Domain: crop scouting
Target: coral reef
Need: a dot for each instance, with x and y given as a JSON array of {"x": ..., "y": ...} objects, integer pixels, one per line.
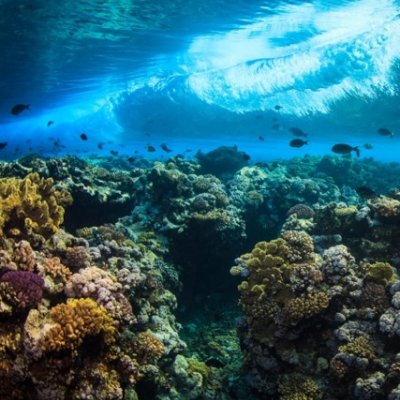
[
  {"x": 93, "y": 315},
  {"x": 317, "y": 325},
  {"x": 223, "y": 160}
]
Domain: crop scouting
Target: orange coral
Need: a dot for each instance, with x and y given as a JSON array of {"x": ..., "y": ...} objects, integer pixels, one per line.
[
  {"x": 148, "y": 348},
  {"x": 54, "y": 273},
  {"x": 73, "y": 321},
  {"x": 24, "y": 256}
]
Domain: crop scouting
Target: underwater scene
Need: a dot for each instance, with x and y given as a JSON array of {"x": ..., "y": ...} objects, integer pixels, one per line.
[{"x": 200, "y": 200}]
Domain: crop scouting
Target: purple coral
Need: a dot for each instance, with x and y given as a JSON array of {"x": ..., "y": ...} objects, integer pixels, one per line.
[
  {"x": 27, "y": 287},
  {"x": 302, "y": 211}
]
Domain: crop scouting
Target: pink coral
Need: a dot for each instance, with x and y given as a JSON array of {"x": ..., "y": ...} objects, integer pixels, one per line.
[{"x": 102, "y": 287}]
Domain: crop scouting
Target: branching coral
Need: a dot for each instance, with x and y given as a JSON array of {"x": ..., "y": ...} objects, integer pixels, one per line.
[
  {"x": 70, "y": 323},
  {"x": 31, "y": 207},
  {"x": 298, "y": 387},
  {"x": 23, "y": 289},
  {"x": 54, "y": 273}
]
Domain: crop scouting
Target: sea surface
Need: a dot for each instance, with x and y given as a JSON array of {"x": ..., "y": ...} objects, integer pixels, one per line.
[{"x": 199, "y": 74}]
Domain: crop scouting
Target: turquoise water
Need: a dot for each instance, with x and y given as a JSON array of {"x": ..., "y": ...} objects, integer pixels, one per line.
[{"x": 199, "y": 74}]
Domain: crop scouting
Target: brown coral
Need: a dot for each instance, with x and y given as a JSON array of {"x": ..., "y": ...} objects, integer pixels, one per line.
[
  {"x": 306, "y": 306},
  {"x": 54, "y": 273}
]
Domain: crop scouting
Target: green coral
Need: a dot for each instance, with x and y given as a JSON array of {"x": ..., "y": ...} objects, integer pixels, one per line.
[{"x": 381, "y": 272}]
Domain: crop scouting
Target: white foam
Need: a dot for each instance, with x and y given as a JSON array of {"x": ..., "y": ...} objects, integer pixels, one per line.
[{"x": 347, "y": 50}]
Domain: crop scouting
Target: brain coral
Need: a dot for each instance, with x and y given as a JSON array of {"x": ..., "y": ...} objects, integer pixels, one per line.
[{"x": 31, "y": 206}]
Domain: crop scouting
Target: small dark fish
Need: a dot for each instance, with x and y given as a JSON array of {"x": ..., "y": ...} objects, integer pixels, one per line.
[
  {"x": 385, "y": 132},
  {"x": 3, "y": 145},
  {"x": 297, "y": 143},
  {"x": 114, "y": 152},
  {"x": 150, "y": 148},
  {"x": 188, "y": 150},
  {"x": 261, "y": 138},
  {"x": 136, "y": 152},
  {"x": 275, "y": 119},
  {"x": 165, "y": 148},
  {"x": 366, "y": 192},
  {"x": 246, "y": 157},
  {"x": 131, "y": 159},
  {"x": 368, "y": 146},
  {"x": 298, "y": 132},
  {"x": 83, "y": 136},
  {"x": 278, "y": 107},
  {"x": 50, "y": 123},
  {"x": 18, "y": 108},
  {"x": 100, "y": 145},
  {"x": 259, "y": 116},
  {"x": 342, "y": 148},
  {"x": 261, "y": 164},
  {"x": 276, "y": 127}
]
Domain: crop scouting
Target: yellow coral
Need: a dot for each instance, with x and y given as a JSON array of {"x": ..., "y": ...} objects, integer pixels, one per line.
[
  {"x": 360, "y": 347},
  {"x": 31, "y": 206},
  {"x": 99, "y": 381},
  {"x": 343, "y": 212},
  {"x": 306, "y": 306},
  {"x": 298, "y": 387},
  {"x": 10, "y": 337},
  {"x": 73, "y": 321},
  {"x": 10, "y": 344},
  {"x": 148, "y": 348},
  {"x": 278, "y": 272}
]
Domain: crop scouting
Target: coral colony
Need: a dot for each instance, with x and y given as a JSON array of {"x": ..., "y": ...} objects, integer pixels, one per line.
[{"x": 95, "y": 253}]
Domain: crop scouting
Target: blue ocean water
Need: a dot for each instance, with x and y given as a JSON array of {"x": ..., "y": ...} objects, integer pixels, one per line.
[{"x": 198, "y": 74}]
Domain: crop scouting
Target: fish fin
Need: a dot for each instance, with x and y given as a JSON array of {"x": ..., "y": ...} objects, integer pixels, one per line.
[{"x": 357, "y": 150}]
